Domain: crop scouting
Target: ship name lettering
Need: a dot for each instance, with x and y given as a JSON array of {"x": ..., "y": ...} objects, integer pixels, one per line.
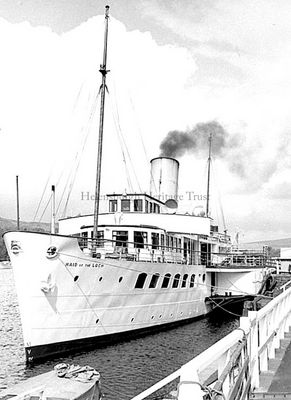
[{"x": 70, "y": 264}]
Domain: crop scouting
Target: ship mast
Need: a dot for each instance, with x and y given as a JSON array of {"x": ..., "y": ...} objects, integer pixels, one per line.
[
  {"x": 208, "y": 175},
  {"x": 103, "y": 72}
]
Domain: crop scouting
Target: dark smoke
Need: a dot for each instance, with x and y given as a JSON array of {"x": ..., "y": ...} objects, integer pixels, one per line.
[{"x": 177, "y": 143}]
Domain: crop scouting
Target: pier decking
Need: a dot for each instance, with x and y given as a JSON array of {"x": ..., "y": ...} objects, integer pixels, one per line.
[{"x": 252, "y": 362}]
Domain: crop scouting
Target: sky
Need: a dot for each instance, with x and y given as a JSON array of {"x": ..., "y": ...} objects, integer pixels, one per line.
[{"x": 173, "y": 65}]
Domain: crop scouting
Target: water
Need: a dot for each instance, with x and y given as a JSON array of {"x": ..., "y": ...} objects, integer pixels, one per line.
[{"x": 126, "y": 368}]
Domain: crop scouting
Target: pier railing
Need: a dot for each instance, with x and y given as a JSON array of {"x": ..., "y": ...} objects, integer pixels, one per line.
[{"x": 237, "y": 360}]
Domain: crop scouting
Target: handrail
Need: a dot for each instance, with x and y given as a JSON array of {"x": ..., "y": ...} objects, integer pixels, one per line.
[
  {"x": 158, "y": 246},
  {"x": 283, "y": 287},
  {"x": 239, "y": 357}
]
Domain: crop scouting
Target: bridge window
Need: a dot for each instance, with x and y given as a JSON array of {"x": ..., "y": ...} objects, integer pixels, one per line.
[
  {"x": 155, "y": 240},
  {"x": 166, "y": 281},
  {"x": 112, "y": 205},
  {"x": 120, "y": 238},
  {"x": 154, "y": 281},
  {"x": 140, "y": 239},
  {"x": 179, "y": 245},
  {"x": 203, "y": 278},
  {"x": 125, "y": 205},
  {"x": 137, "y": 205},
  {"x": 192, "y": 280},
  {"x": 140, "y": 281},
  {"x": 184, "y": 281},
  {"x": 146, "y": 206},
  {"x": 176, "y": 280}
]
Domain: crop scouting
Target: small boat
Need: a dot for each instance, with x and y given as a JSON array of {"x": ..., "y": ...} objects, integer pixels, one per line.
[{"x": 51, "y": 386}]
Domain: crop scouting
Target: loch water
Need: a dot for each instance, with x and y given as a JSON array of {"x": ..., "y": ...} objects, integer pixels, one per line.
[{"x": 126, "y": 368}]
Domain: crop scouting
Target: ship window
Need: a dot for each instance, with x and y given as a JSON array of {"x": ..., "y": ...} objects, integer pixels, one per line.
[
  {"x": 162, "y": 241},
  {"x": 158, "y": 209},
  {"x": 125, "y": 205},
  {"x": 120, "y": 238},
  {"x": 84, "y": 241},
  {"x": 184, "y": 281},
  {"x": 100, "y": 238},
  {"x": 203, "y": 278},
  {"x": 151, "y": 207},
  {"x": 180, "y": 245},
  {"x": 154, "y": 281},
  {"x": 140, "y": 239},
  {"x": 155, "y": 240},
  {"x": 176, "y": 280},
  {"x": 137, "y": 205},
  {"x": 146, "y": 206},
  {"x": 166, "y": 281},
  {"x": 192, "y": 280},
  {"x": 171, "y": 239},
  {"x": 167, "y": 241},
  {"x": 175, "y": 244},
  {"x": 112, "y": 205},
  {"x": 140, "y": 281}
]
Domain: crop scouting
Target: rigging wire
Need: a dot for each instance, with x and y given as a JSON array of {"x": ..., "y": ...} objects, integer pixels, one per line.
[
  {"x": 121, "y": 146},
  {"x": 219, "y": 197},
  {"x": 46, "y": 206},
  {"x": 86, "y": 298},
  {"x": 122, "y": 136},
  {"x": 77, "y": 159},
  {"x": 142, "y": 141},
  {"x": 42, "y": 196},
  {"x": 53, "y": 165}
]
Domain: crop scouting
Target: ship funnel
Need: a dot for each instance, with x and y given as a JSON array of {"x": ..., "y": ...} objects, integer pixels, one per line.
[{"x": 164, "y": 180}]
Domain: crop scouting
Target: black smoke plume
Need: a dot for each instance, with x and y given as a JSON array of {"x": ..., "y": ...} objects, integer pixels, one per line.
[{"x": 177, "y": 143}]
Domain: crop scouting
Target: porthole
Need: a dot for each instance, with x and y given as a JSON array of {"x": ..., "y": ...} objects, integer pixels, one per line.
[
  {"x": 100, "y": 279},
  {"x": 132, "y": 319},
  {"x": 120, "y": 279},
  {"x": 153, "y": 317},
  {"x": 76, "y": 278},
  {"x": 160, "y": 316},
  {"x": 97, "y": 320}
]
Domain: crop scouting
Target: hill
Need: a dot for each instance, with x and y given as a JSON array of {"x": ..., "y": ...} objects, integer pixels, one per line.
[
  {"x": 10, "y": 225},
  {"x": 275, "y": 244}
]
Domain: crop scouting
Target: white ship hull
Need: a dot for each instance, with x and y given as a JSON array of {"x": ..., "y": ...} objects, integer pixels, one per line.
[{"x": 73, "y": 299}]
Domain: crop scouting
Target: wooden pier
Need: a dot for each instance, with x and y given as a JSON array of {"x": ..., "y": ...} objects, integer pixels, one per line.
[{"x": 252, "y": 362}]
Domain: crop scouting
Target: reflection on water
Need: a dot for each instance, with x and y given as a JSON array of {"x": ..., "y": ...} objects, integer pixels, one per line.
[{"x": 126, "y": 368}]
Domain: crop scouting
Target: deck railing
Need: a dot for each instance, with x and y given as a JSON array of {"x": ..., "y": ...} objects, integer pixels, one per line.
[
  {"x": 136, "y": 251},
  {"x": 237, "y": 360}
]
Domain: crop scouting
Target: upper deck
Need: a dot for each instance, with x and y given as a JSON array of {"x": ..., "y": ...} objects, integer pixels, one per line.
[{"x": 139, "y": 210}]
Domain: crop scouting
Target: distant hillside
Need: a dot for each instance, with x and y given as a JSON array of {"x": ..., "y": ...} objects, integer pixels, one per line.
[
  {"x": 276, "y": 244},
  {"x": 10, "y": 225}
]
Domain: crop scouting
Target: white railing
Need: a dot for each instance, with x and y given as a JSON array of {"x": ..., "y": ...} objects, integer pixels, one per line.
[
  {"x": 283, "y": 287},
  {"x": 238, "y": 358}
]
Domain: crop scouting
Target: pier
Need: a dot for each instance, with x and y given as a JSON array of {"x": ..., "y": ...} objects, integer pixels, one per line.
[{"x": 252, "y": 362}]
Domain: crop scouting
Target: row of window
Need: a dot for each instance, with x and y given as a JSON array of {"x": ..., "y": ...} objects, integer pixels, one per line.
[
  {"x": 141, "y": 279},
  {"x": 140, "y": 240},
  {"x": 138, "y": 205}
]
